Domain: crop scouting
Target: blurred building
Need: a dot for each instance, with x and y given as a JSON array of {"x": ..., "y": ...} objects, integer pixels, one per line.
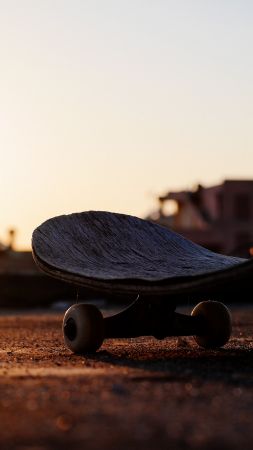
[{"x": 219, "y": 217}]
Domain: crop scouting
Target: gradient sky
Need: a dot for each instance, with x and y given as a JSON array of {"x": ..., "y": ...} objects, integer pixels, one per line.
[{"x": 105, "y": 104}]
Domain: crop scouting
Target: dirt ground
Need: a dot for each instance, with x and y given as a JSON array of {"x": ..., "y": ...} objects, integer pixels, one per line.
[{"x": 132, "y": 394}]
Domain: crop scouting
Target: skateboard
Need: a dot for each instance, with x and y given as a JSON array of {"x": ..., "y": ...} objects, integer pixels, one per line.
[{"x": 117, "y": 254}]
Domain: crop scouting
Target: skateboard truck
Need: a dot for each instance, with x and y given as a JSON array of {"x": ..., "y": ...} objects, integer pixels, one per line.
[{"x": 84, "y": 327}]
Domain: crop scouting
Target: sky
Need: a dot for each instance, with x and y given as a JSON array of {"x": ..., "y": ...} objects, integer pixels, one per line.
[{"x": 105, "y": 105}]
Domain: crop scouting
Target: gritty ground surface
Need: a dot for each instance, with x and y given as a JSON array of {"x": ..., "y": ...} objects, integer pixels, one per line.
[{"x": 132, "y": 394}]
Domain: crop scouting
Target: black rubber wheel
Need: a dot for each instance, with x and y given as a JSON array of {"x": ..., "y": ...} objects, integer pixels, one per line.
[
  {"x": 217, "y": 324},
  {"x": 83, "y": 328}
]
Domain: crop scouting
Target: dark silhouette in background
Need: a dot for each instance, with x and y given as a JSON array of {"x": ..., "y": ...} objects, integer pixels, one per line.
[{"x": 219, "y": 218}]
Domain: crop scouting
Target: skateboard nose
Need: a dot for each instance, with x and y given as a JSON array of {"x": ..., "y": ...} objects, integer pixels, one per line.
[{"x": 70, "y": 329}]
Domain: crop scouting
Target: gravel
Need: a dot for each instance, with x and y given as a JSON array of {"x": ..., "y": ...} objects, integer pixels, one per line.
[{"x": 131, "y": 394}]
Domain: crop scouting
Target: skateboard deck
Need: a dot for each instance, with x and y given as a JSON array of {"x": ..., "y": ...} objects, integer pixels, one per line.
[
  {"x": 120, "y": 254},
  {"x": 117, "y": 253}
]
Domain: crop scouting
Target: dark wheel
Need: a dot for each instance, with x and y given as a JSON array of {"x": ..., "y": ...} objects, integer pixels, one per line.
[
  {"x": 217, "y": 324},
  {"x": 83, "y": 328}
]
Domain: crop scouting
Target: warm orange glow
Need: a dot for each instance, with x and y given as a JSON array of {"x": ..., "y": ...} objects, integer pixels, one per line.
[{"x": 90, "y": 121}]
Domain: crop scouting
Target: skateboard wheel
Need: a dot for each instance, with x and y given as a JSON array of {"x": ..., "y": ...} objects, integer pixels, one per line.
[
  {"x": 217, "y": 324},
  {"x": 83, "y": 328}
]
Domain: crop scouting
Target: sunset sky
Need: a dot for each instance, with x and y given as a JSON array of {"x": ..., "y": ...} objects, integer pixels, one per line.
[{"x": 105, "y": 104}]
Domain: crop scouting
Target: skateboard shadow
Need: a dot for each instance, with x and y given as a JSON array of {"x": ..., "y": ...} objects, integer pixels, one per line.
[{"x": 232, "y": 366}]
